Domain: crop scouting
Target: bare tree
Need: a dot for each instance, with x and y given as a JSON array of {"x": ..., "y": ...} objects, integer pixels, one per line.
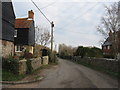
[
  {"x": 42, "y": 36},
  {"x": 66, "y": 50},
  {"x": 109, "y": 25}
]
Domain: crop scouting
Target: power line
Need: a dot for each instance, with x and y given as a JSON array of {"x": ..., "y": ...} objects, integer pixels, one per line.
[
  {"x": 51, "y": 23},
  {"x": 76, "y": 32},
  {"x": 71, "y": 22},
  {"x": 48, "y": 5},
  {"x": 41, "y": 12},
  {"x": 42, "y": 8}
]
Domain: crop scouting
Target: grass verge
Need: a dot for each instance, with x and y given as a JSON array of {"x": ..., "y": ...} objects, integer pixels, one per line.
[
  {"x": 113, "y": 74},
  {"x": 9, "y": 76}
]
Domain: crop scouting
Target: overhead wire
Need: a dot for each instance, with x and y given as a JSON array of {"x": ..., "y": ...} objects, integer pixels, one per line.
[
  {"x": 41, "y": 11},
  {"x": 73, "y": 21},
  {"x": 70, "y": 30},
  {"x": 40, "y": 8}
]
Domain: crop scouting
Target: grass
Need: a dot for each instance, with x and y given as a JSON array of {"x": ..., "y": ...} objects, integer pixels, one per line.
[
  {"x": 56, "y": 63},
  {"x": 8, "y": 76},
  {"x": 101, "y": 69}
]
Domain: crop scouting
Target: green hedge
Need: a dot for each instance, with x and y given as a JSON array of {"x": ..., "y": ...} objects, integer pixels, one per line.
[{"x": 10, "y": 64}]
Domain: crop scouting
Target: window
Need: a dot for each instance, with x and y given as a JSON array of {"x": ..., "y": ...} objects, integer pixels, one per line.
[
  {"x": 15, "y": 33},
  {"x": 18, "y": 48}
]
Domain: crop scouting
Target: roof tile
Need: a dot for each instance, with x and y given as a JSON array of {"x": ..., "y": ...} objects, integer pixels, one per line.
[{"x": 23, "y": 23}]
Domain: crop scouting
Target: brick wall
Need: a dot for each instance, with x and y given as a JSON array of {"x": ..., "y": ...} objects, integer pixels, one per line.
[{"x": 7, "y": 48}]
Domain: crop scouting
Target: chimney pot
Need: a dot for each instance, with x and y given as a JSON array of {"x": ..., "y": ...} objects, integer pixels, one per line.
[{"x": 31, "y": 14}]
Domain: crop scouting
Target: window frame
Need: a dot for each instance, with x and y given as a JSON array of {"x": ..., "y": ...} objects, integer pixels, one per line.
[{"x": 18, "y": 48}]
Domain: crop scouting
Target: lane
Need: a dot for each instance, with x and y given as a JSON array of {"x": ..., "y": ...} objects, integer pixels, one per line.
[{"x": 70, "y": 75}]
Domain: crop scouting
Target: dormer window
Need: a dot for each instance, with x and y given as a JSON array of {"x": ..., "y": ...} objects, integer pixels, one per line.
[{"x": 15, "y": 33}]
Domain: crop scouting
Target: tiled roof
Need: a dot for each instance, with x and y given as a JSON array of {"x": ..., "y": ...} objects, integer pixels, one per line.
[
  {"x": 107, "y": 42},
  {"x": 23, "y": 23}
]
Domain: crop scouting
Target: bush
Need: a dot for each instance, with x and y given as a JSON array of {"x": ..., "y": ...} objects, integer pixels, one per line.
[
  {"x": 10, "y": 64},
  {"x": 9, "y": 76},
  {"x": 28, "y": 55},
  {"x": 53, "y": 57}
]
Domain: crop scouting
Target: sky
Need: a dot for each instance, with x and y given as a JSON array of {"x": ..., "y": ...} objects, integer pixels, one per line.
[{"x": 75, "y": 21}]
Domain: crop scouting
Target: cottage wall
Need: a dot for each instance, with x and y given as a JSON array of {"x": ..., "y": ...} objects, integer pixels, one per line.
[{"x": 7, "y": 48}]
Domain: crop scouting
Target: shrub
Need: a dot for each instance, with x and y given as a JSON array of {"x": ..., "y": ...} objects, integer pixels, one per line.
[
  {"x": 10, "y": 64},
  {"x": 53, "y": 57}
]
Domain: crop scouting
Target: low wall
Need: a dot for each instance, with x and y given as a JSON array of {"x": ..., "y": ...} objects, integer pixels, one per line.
[
  {"x": 22, "y": 67},
  {"x": 111, "y": 65},
  {"x": 45, "y": 60},
  {"x": 36, "y": 63}
]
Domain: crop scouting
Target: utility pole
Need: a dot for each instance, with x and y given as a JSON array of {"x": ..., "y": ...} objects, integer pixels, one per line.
[{"x": 52, "y": 25}]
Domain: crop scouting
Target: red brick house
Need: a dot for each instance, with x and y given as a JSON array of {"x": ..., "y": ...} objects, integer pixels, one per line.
[{"x": 107, "y": 46}]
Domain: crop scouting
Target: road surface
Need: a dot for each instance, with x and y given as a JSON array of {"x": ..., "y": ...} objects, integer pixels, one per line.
[{"x": 70, "y": 75}]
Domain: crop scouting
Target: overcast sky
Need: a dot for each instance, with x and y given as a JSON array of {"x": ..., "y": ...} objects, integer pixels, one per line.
[{"x": 75, "y": 21}]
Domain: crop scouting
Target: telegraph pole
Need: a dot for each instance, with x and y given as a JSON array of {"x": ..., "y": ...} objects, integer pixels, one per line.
[{"x": 52, "y": 25}]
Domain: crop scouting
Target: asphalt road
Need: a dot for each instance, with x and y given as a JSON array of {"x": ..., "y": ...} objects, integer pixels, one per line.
[{"x": 70, "y": 75}]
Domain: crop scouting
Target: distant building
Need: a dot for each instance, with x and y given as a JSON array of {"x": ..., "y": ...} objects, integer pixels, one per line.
[
  {"x": 107, "y": 46},
  {"x": 8, "y": 20},
  {"x": 24, "y": 34}
]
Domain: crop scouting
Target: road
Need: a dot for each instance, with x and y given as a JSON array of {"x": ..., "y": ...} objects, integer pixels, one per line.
[{"x": 70, "y": 75}]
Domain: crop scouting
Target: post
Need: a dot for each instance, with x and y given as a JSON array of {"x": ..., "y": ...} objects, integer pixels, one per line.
[{"x": 52, "y": 25}]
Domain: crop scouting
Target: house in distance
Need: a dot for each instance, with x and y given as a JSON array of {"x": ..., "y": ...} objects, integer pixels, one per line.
[{"x": 24, "y": 34}]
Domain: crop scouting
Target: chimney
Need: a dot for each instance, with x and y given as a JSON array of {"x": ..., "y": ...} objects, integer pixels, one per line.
[
  {"x": 110, "y": 33},
  {"x": 31, "y": 14}
]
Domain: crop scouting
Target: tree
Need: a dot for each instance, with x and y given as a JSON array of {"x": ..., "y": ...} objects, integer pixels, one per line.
[
  {"x": 42, "y": 36},
  {"x": 88, "y": 52},
  {"x": 80, "y": 51},
  {"x": 109, "y": 25},
  {"x": 65, "y": 50}
]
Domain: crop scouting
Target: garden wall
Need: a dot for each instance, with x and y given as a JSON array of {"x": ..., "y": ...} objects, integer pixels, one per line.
[
  {"x": 45, "y": 60},
  {"x": 111, "y": 65},
  {"x": 35, "y": 63},
  {"x": 22, "y": 67}
]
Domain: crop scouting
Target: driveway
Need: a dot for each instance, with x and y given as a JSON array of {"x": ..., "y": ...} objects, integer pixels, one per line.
[{"x": 70, "y": 75}]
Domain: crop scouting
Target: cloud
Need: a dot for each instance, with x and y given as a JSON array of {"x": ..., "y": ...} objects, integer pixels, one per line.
[{"x": 75, "y": 22}]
